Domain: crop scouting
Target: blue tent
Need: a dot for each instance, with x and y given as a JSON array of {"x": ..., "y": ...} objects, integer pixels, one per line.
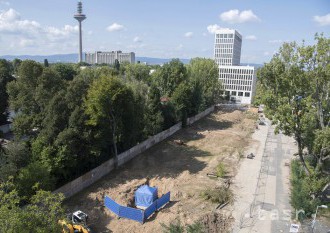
[{"x": 145, "y": 196}]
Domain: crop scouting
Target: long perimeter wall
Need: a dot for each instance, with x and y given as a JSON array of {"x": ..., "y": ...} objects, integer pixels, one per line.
[{"x": 95, "y": 174}]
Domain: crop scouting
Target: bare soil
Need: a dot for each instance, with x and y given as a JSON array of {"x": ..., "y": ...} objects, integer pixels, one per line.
[{"x": 177, "y": 167}]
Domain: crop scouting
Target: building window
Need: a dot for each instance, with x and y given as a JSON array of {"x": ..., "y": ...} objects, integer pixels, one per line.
[
  {"x": 240, "y": 93},
  {"x": 233, "y": 93},
  {"x": 247, "y": 94}
]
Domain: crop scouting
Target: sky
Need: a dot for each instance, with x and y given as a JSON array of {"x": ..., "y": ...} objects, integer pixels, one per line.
[{"x": 159, "y": 28}]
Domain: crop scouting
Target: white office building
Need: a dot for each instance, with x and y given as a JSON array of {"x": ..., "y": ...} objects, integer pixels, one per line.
[
  {"x": 109, "y": 57},
  {"x": 239, "y": 82}
]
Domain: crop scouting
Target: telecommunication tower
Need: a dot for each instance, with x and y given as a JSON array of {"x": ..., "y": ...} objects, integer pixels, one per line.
[{"x": 80, "y": 17}]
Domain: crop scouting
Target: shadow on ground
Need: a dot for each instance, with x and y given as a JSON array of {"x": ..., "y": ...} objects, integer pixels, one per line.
[{"x": 164, "y": 160}]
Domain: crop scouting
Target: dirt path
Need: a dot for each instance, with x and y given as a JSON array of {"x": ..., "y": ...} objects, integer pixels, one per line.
[{"x": 181, "y": 169}]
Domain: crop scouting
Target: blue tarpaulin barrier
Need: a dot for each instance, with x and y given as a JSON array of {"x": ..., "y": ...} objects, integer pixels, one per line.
[
  {"x": 111, "y": 205},
  {"x": 136, "y": 214},
  {"x": 150, "y": 210},
  {"x": 131, "y": 213},
  {"x": 163, "y": 200},
  {"x": 145, "y": 196}
]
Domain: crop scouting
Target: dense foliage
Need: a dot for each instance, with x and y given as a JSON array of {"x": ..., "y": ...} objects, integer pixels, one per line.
[
  {"x": 70, "y": 120},
  {"x": 40, "y": 215},
  {"x": 295, "y": 88},
  {"x": 6, "y": 71}
]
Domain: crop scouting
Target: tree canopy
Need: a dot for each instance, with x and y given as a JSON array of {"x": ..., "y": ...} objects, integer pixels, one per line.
[
  {"x": 295, "y": 88},
  {"x": 74, "y": 119}
]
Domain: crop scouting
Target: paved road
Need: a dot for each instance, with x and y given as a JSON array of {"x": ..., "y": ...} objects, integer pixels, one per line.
[
  {"x": 280, "y": 151},
  {"x": 271, "y": 207},
  {"x": 270, "y": 211}
]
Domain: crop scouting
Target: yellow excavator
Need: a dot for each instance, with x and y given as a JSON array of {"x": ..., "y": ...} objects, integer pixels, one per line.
[{"x": 76, "y": 223}]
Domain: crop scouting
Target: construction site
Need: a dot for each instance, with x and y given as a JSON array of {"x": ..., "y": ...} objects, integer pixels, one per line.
[{"x": 195, "y": 165}]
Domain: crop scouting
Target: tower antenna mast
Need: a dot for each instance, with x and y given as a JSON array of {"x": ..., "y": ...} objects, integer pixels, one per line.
[{"x": 80, "y": 17}]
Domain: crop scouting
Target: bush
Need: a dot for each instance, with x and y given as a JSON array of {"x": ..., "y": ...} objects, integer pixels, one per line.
[
  {"x": 221, "y": 170},
  {"x": 220, "y": 195},
  {"x": 302, "y": 188},
  {"x": 176, "y": 227},
  {"x": 35, "y": 175},
  {"x": 173, "y": 227}
]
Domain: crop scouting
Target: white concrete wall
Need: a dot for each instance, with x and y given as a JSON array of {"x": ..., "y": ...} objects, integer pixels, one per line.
[{"x": 92, "y": 176}]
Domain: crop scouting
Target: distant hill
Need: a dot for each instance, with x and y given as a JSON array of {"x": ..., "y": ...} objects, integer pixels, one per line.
[
  {"x": 65, "y": 58},
  {"x": 257, "y": 66},
  {"x": 73, "y": 57},
  {"x": 159, "y": 61}
]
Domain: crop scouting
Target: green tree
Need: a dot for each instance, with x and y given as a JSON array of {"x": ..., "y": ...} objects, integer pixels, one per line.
[
  {"x": 182, "y": 100},
  {"x": 46, "y": 64},
  {"x": 117, "y": 65},
  {"x": 169, "y": 76},
  {"x": 154, "y": 119},
  {"x": 140, "y": 93},
  {"x": 63, "y": 143},
  {"x": 138, "y": 72},
  {"x": 16, "y": 64},
  {"x": 41, "y": 214},
  {"x": 5, "y": 78},
  {"x": 65, "y": 71},
  {"x": 31, "y": 94},
  {"x": 22, "y": 97},
  {"x": 204, "y": 75},
  {"x": 321, "y": 148},
  {"x": 295, "y": 87},
  {"x": 34, "y": 175},
  {"x": 48, "y": 85},
  {"x": 109, "y": 105},
  {"x": 286, "y": 89},
  {"x": 14, "y": 157}
]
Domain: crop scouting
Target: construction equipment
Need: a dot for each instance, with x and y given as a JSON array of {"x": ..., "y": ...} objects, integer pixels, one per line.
[{"x": 76, "y": 223}]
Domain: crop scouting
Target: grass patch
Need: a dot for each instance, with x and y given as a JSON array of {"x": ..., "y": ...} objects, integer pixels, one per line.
[
  {"x": 177, "y": 227},
  {"x": 221, "y": 170},
  {"x": 240, "y": 152},
  {"x": 251, "y": 115},
  {"x": 219, "y": 195}
]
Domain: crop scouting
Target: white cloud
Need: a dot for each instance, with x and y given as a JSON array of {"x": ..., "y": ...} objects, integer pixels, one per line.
[
  {"x": 10, "y": 22},
  {"x": 235, "y": 16},
  {"x": 214, "y": 28},
  {"x": 135, "y": 46},
  {"x": 5, "y": 3},
  {"x": 189, "y": 34},
  {"x": 276, "y": 41},
  {"x": 66, "y": 30},
  {"x": 179, "y": 47},
  {"x": 251, "y": 37},
  {"x": 322, "y": 20},
  {"x": 27, "y": 43},
  {"x": 9, "y": 15},
  {"x": 57, "y": 34},
  {"x": 27, "y": 34},
  {"x": 137, "y": 39},
  {"x": 266, "y": 53},
  {"x": 115, "y": 27}
]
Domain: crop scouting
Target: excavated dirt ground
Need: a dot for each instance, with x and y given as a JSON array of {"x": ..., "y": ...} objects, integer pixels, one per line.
[{"x": 181, "y": 169}]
